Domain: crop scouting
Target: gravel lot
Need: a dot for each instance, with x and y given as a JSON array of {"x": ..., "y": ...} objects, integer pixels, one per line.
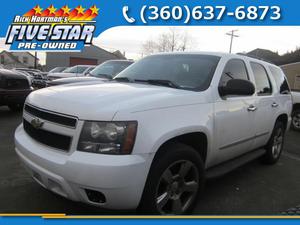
[{"x": 254, "y": 189}]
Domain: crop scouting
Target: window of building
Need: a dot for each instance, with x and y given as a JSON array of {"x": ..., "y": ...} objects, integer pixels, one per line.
[{"x": 263, "y": 84}]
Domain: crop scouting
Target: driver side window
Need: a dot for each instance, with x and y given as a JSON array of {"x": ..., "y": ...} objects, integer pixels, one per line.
[{"x": 234, "y": 69}]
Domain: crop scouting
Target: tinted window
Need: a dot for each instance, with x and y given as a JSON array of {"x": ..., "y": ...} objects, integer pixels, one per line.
[
  {"x": 263, "y": 85},
  {"x": 76, "y": 69},
  {"x": 234, "y": 69},
  {"x": 109, "y": 69},
  {"x": 187, "y": 71},
  {"x": 280, "y": 80}
]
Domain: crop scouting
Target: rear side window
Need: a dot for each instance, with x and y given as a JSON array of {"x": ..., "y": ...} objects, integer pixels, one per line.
[
  {"x": 263, "y": 84},
  {"x": 280, "y": 80},
  {"x": 234, "y": 69}
]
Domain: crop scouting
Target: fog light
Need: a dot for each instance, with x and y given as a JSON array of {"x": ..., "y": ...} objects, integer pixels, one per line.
[{"x": 95, "y": 196}]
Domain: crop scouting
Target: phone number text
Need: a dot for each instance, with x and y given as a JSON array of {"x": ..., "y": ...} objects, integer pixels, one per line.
[{"x": 187, "y": 14}]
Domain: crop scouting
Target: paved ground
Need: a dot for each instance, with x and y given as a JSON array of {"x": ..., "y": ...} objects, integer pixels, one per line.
[{"x": 254, "y": 189}]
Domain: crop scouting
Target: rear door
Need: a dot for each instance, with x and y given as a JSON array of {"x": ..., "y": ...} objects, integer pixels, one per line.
[{"x": 265, "y": 105}]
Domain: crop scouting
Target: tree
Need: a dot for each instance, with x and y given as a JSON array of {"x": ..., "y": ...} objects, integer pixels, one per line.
[{"x": 170, "y": 41}]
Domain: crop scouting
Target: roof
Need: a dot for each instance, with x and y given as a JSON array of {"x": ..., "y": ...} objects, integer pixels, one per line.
[
  {"x": 9, "y": 54},
  {"x": 116, "y": 54},
  {"x": 12, "y": 56},
  {"x": 290, "y": 64},
  {"x": 32, "y": 55},
  {"x": 219, "y": 54}
]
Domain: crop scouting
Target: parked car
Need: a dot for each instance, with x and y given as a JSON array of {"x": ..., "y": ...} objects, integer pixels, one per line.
[
  {"x": 105, "y": 71},
  {"x": 38, "y": 78},
  {"x": 14, "y": 88},
  {"x": 58, "y": 69},
  {"x": 296, "y": 111},
  {"x": 152, "y": 136},
  {"x": 28, "y": 75},
  {"x": 75, "y": 71}
]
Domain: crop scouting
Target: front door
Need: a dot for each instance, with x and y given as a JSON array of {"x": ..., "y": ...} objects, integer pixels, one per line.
[{"x": 234, "y": 116}]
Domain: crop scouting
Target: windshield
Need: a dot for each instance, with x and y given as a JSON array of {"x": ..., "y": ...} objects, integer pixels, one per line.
[
  {"x": 75, "y": 69},
  {"x": 57, "y": 69},
  {"x": 109, "y": 69},
  {"x": 185, "y": 71}
]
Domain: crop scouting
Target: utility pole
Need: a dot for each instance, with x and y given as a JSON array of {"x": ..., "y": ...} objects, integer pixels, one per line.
[
  {"x": 35, "y": 60},
  {"x": 231, "y": 33}
]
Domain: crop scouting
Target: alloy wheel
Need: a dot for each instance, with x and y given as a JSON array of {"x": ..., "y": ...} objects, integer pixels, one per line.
[
  {"x": 177, "y": 188},
  {"x": 296, "y": 120},
  {"x": 277, "y": 143}
]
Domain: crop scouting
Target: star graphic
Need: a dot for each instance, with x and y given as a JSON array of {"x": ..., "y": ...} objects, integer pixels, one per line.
[
  {"x": 66, "y": 9},
  {"x": 37, "y": 9},
  {"x": 51, "y": 9},
  {"x": 94, "y": 9},
  {"x": 80, "y": 9}
]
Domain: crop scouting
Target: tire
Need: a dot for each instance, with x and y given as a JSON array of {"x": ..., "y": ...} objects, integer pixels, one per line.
[
  {"x": 16, "y": 107},
  {"x": 296, "y": 120},
  {"x": 275, "y": 144},
  {"x": 174, "y": 181}
]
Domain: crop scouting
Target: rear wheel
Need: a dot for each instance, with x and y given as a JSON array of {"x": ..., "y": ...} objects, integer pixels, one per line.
[
  {"x": 275, "y": 144},
  {"x": 296, "y": 120},
  {"x": 173, "y": 183},
  {"x": 16, "y": 107}
]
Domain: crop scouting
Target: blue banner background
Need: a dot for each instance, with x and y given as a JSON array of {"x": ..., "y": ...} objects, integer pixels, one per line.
[{"x": 110, "y": 13}]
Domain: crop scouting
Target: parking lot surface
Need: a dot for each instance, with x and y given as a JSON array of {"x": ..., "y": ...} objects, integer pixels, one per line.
[{"x": 254, "y": 189}]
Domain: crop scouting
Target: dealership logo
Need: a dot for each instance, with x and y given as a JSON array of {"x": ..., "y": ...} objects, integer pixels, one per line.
[
  {"x": 53, "y": 29},
  {"x": 37, "y": 123}
]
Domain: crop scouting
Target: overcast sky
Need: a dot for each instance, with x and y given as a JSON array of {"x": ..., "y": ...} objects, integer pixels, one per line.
[{"x": 129, "y": 39}]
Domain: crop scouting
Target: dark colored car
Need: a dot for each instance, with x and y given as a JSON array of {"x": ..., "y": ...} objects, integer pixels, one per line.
[
  {"x": 105, "y": 71},
  {"x": 14, "y": 88},
  {"x": 39, "y": 78}
]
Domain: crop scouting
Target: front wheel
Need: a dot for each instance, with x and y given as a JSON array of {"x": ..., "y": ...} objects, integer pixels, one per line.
[
  {"x": 296, "y": 120},
  {"x": 275, "y": 145},
  {"x": 173, "y": 183}
]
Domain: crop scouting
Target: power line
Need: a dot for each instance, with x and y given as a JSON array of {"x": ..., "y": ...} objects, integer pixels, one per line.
[{"x": 232, "y": 35}]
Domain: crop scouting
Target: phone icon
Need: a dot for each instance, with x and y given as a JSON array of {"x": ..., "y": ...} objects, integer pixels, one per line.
[{"x": 125, "y": 14}]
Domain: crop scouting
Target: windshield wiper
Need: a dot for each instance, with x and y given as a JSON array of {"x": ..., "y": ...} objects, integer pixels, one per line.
[
  {"x": 123, "y": 79},
  {"x": 101, "y": 75},
  {"x": 166, "y": 83}
]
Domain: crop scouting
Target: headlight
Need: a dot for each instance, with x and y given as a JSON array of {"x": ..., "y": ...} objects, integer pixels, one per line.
[{"x": 107, "y": 137}]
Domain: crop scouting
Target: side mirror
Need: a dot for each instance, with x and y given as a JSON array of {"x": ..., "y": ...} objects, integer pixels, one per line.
[{"x": 237, "y": 87}]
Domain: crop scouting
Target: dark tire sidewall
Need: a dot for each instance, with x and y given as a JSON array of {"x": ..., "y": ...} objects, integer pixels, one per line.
[
  {"x": 296, "y": 112},
  {"x": 169, "y": 154},
  {"x": 269, "y": 157}
]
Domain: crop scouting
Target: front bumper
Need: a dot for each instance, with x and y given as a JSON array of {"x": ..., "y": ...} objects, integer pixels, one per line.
[{"x": 120, "y": 178}]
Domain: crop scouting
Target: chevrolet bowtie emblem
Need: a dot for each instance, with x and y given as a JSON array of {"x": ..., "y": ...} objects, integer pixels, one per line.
[{"x": 37, "y": 123}]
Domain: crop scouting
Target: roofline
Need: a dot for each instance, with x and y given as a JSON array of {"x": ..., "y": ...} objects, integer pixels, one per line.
[{"x": 290, "y": 64}]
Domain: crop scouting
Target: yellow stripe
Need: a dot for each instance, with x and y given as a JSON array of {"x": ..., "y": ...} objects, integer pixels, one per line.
[{"x": 64, "y": 216}]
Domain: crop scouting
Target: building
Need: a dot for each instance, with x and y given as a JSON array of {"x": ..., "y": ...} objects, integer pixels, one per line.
[
  {"x": 292, "y": 71},
  {"x": 18, "y": 59},
  {"x": 90, "y": 55}
]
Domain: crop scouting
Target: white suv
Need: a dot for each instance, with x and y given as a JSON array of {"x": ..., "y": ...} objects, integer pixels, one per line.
[{"x": 151, "y": 137}]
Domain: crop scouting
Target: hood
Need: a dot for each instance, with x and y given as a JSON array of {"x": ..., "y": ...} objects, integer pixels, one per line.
[
  {"x": 62, "y": 75},
  {"x": 103, "y": 101},
  {"x": 70, "y": 80}
]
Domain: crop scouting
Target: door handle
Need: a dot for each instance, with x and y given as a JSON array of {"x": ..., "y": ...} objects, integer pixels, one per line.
[
  {"x": 252, "y": 108},
  {"x": 274, "y": 105}
]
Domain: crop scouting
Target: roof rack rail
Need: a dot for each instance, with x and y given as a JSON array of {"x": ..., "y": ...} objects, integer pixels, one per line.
[{"x": 255, "y": 57}]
